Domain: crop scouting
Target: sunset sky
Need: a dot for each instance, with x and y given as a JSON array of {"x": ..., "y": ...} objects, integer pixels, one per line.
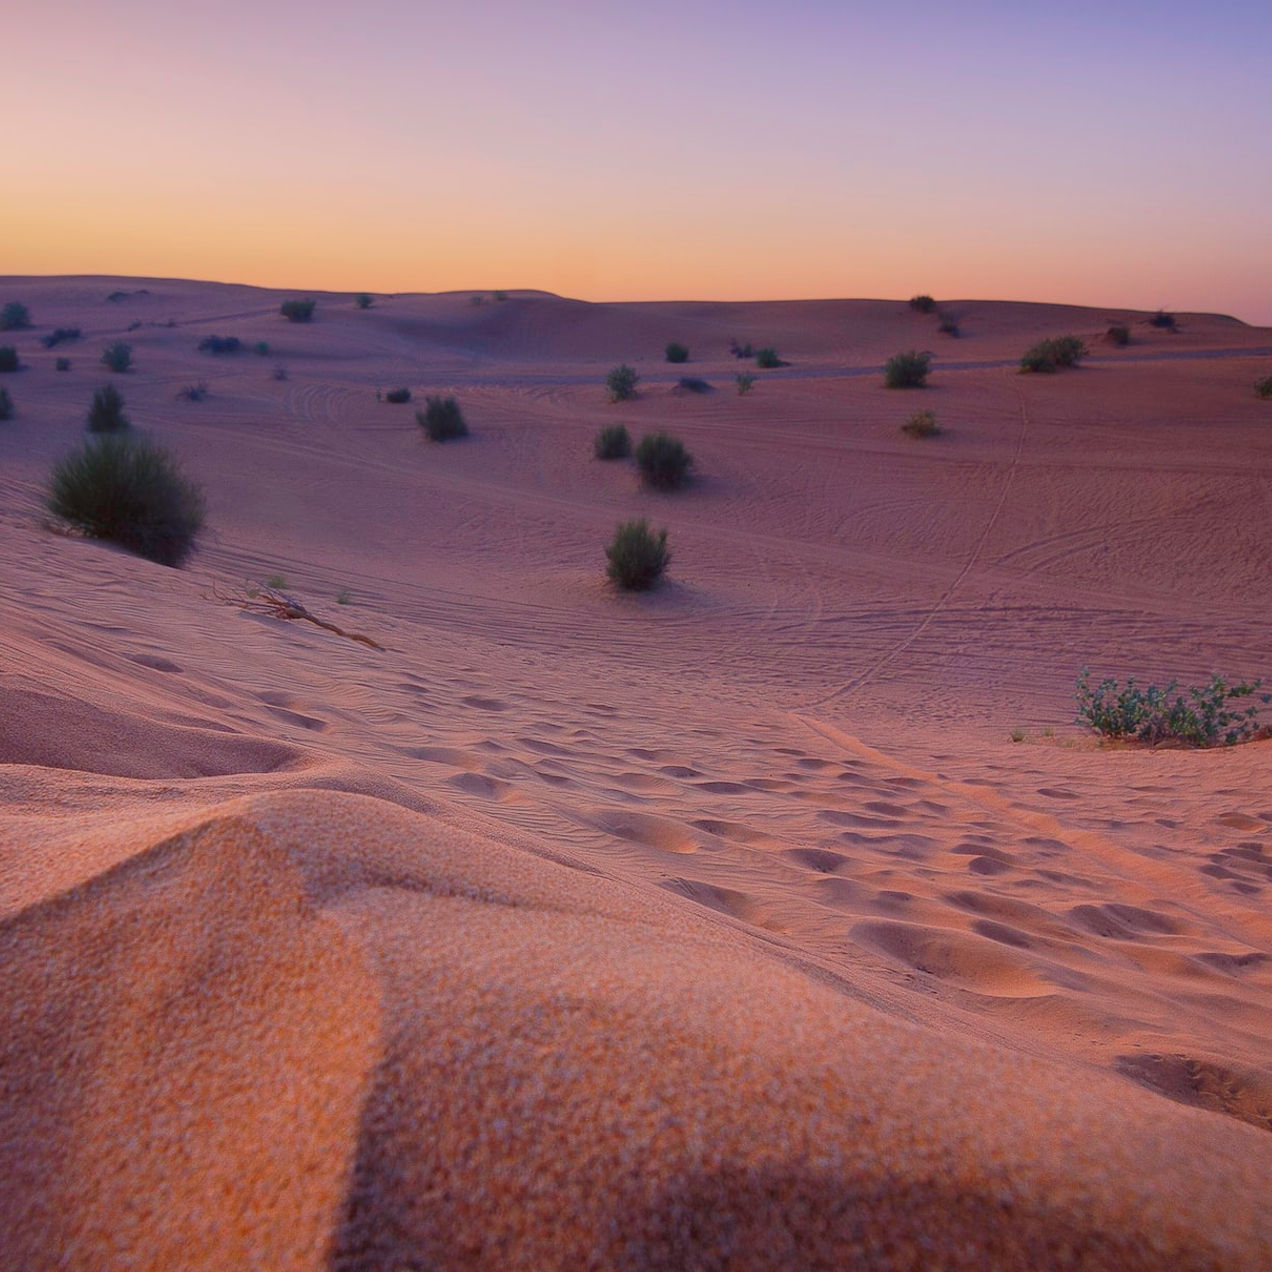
[{"x": 1097, "y": 153}]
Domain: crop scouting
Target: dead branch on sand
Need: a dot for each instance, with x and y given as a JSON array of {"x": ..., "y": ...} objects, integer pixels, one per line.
[{"x": 276, "y": 604}]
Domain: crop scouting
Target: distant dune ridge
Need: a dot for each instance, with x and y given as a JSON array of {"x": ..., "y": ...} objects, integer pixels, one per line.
[{"x": 722, "y": 926}]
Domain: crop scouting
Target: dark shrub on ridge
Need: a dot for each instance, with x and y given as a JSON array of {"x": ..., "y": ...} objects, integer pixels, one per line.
[
  {"x": 767, "y": 359},
  {"x": 298, "y": 310},
  {"x": 128, "y": 491},
  {"x": 663, "y": 461},
  {"x": 923, "y": 304},
  {"x": 364, "y": 300},
  {"x": 907, "y": 370},
  {"x": 118, "y": 356},
  {"x": 676, "y": 352},
  {"x": 220, "y": 344},
  {"x": 8, "y": 358},
  {"x": 1118, "y": 334},
  {"x": 398, "y": 396},
  {"x": 62, "y": 334},
  {"x": 106, "y": 413},
  {"x": 14, "y": 316},
  {"x": 441, "y": 419},
  {"x": 1164, "y": 320},
  {"x": 612, "y": 442},
  {"x": 691, "y": 384},
  {"x": 637, "y": 557}
]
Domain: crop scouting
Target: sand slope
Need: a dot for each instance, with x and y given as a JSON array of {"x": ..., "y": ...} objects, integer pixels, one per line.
[{"x": 721, "y": 927}]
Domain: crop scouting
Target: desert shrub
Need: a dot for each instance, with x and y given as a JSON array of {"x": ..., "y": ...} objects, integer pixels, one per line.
[
  {"x": 477, "y": 299},
  {"x": 106, "y": 411},
  {"x": 663, "y": 461},
  {"x": 637, "y": 556},
  {"x": 14, "y": 316},
  {"x": 62, "y": 364},
  {"x": 6, "y": 405},
  {"x": 298, "y": 310},
  {"x": 128, "y": 491},
  {"x": 767, "y": 359},
  {"x": 261, "y": 347},
  {"x": 907, "y": 370},
  {"x": 1263, "y": 387},
  {"x": 948, "y": 325},
  {"x": 923, "y": 304},
  {"x": 745, "y": 382},
  {"x": 741, "y": 350},
  {"x": 1213, "y": 713},
  {"x": 118, "y": 356},
  {"x": 441, "y": 419},
  {"x": 922, "y": 424},
  {"x": 363, "y": 300},
  {"x": 9, "y": 358},
  {"x": 116, "y": 296},
  {"x": 1164, "y": 320},
  {"x": 677, "y": 352},
  {"x": 621, "y": 383},
  {"x": 220, "y": 344},
  {"x": 612, "y": 442},
  {"x": 398, "y": 396},
  {"x": 1118, "y": 334},
  {"x": 60, "y": 336},
  {"x": 691, "y": 384},
  {"x": 1049, "y": 355},
  {"x": 280, "y": 372},
  {"x": 193, "y": 392},
  {"x": 135, "y": 326},
  {"x": 501, "y": 295}
]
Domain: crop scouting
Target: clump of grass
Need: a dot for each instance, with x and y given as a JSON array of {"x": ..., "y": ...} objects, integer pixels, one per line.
[
  {"x": 663, "y": 461},
  {"x": 637, "y": 556},
  {"x": 767, "y": 359},
  {"x": 128, "y": 491},
  {"x": 9, "y": 358},
  {"x": 117, "y": 356},
  {"x": 298, "y": 310},
  {"x": 193, "y": 392},
  {"x": 60, "y": 336},
  {"x": 1018, "y": 735},
  {"x": 1213, "y": 713},
  {"x": 441, "y": 419},
  {"x": 1263, "y": 387},
  {"x": 398, "y": 396},
  {"x": 62, "y": 364},
  {"x": 922, "y": 424},
  {"x": 745, "y": 382},
  {"x": 907, "y": 370},
  {"x": 612, "y": 442},
  {"x": 220, "y": 344},
  {"x": 106, "y": 411},
  {"x": 276, "y": 581},
  {"x": 344, "y": 596},
  {"x": 1048, "y": 356},
  {"x": 1118, "y": 334},
  {"x": 741, "y": 350},
  {"x": 621, "y": 383},
  {"x": 691, "y": 384},
  {"x": 6, "y": 405},
  {"x": 364, "y": 300},
  {"x": 14, "y": 316},
  {"x": 1165, "y": 321},
  {"x": 948, "y": 325},
  {"x": 677, "y": 352},
  {"x": 923, "y": 304}
]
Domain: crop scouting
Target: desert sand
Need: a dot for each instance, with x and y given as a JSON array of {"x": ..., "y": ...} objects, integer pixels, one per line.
[{"x": 724, "y": 926}]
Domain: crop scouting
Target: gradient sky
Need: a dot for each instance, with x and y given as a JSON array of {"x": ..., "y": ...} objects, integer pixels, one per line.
[{"x": 1111, "y": 153}]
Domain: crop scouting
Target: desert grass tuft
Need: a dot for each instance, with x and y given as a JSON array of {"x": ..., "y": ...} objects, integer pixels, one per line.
[
  {"x": 637, "y": 556},
  {"x": 907, "y": 370},
  {"x": 612, "y": 442}
]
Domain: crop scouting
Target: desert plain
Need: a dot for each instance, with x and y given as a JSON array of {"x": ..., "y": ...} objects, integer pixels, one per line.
[{"x": 782, "y": 916}]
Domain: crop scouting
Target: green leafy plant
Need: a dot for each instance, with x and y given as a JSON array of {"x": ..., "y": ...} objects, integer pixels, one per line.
[
  {"x": 220, "y": 344},
  {"x": 612, "y": 442},
  {"x": 298, "y": 310},
  {"x": 128, "y": 491},
  {"x": 1213, "y": 713},
  {"x": 922, "y": 424},
  {"x": 9, "y": 358},
  {"x": 745, "y": 382},
  {"x": 398, "y": 396},
  {"x": 364, "y": 300},
  {"x": 441, "y": 419},
  {"x": 663, "y": 461},
  {"x": 6, "y": 405},
  {"x": 1048, "y": 356},
  {"x": 1118, "y": 334},
  {"x": 677, "y": 352},
  {"x": 117, "y": 356},
  {"x": 907, "y": 370},
  {"x": 62, "y": 364},
  {"x": 637, "y": 556},
  {"x": 14, "y": 316},
  {"x": 621, "y": 383},
  {"x": 767, "y": 359},
  {"x": 1263, "y": 387},
  {"x": 106, "y": 411},
  {"x": 60, "y": 336},
  {"x": 923, "y": 304}
]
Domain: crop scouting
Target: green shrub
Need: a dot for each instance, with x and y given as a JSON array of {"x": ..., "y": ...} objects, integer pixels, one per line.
[
  {"x": 128, "y": 491},
  {"x": 637, "y": 557},
  {"x": 220, "y": 344},
  {"x": 767, "y": 359},
  {"x": 193, "y": 392},
  {"x": 691, "y": 384},
  {"x": 1263, "y": 387},
  {"x": 14, "y": 316},
  {"x": 118, "y": 357},
  {"x": 745, "y": 382},
  {"x": 1119, "y": 334},
  {"x": 442, "y": 419},
  {"x": 922, "y": 424},
  {"x": 1049, "y": 355},
  {"x": 1213, "y": 713},
  {"x": 364, "y": 300},
  {"x": 621, "y": 383},
  {"x": 106, "y": 412},
  {"x": 1167, "y": 322},
  {"x": 6, "y": 405},
  {"x": 663, "y": 461},
  {"x": 923, "y": 304},
  {"x": 60, "y": 336},
  {"x": 62, "y": 364},
  {"x": 907, "y": 370},
  {"x": 612, "y": 442},
  {"x": 677, "y": 352},
  {"x": 398, "y": 396},
  {"x": 8, "y": 358},
  {"x": 298, "y": 310},
  {"x": 948, "y": 325}
]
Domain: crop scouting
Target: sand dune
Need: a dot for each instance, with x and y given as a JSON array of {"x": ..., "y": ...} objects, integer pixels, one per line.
[{"x": 720, "y": 927}]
